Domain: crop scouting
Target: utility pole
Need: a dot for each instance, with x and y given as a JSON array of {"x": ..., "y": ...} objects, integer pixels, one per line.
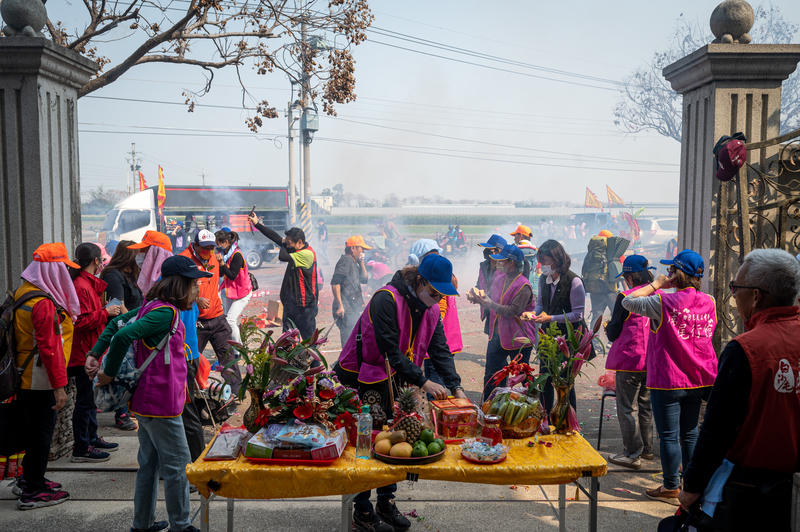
[
  {"x": 292, "y": 195},
  {"x": 305, "y": 190},
  {"x": 203, "y": 175},
  {"x": 133, "y": 168}
]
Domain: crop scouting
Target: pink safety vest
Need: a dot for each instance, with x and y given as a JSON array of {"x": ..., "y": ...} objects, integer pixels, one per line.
[
  {"x": 373, "y": 366},
  {"x": 680, "y": 353},
  {"x": 452, "y": 328},
  {"x": 508, "y": 327},
  {"x": 629, "y": 351},
  {"x": 241, "y": 286}
]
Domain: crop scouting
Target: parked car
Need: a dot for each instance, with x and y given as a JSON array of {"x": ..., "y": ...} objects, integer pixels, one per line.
[{"x": 658, "y": 231}]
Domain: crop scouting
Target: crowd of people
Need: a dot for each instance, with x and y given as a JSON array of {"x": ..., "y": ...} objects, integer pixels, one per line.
[{"x": 82, "y": 315}]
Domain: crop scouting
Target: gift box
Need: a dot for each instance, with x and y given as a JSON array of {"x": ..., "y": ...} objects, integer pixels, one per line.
[
  {"x": 290, "y": 452},
  {"x": 333, "y": 446},
  {"x": 456, "y": 431},
  {"x": 464, "y": 416},
  {"x": 455, "y": 418},
  {"x": 260, "y": 445}
]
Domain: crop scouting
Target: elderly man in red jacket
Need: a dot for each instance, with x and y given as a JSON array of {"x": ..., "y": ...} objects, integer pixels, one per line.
[{"x": 751, "y": 429}]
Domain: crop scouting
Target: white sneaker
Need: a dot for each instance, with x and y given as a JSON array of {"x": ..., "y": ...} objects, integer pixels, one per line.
[{"x": 625, "y": 461}]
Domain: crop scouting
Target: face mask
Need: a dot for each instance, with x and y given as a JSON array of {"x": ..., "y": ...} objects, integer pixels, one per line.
[
  {"x": 99, "y": 269},
  {"x": 547, "y": 270},
  {"x": 426, "y": 299},
  {"x": 140, "y": 259},
  {"x": 206, "y": 254}
]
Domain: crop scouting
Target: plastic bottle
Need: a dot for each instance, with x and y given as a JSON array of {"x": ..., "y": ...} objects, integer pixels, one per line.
[{"x": 364, "y": 438}]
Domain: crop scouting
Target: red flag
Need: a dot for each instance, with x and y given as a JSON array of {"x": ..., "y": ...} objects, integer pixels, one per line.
[
  {"x": 613, "y": 199},
  {"x": 142, "y": 183},
  {"x": 592, "y": 201},
  {"x": 162, "y": 194}
]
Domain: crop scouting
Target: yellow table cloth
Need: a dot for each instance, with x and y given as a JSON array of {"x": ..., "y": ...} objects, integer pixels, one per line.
[{"x": 567, "y": 459}]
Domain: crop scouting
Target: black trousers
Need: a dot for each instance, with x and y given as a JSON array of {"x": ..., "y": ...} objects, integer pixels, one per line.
[
  {"x": 84, "y": 417},
  {"x": 303, "y": 319},
  {"x": 192, "y": 426},
  {"x": 218, "y": 332},
  {"x": 40, "y": 423}
]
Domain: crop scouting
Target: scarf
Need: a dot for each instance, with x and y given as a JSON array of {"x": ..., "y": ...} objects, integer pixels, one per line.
[
  {"x": 230, "y": 253},
  {"x": 151, "y": 269},
  {"x": 53, "y": 278}
]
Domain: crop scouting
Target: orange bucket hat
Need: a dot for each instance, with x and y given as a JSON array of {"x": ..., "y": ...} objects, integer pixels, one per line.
[{"x": 154, "y": 238}]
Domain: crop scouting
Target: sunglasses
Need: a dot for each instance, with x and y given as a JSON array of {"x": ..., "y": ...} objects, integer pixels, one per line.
[{"x": 735, "y": 287}]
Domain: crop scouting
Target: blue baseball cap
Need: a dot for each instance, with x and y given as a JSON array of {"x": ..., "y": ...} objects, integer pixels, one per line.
[
  {"x": 438, "y": 271},
  {"x": 510, "y": 252},
  {"x": 634, "y": 263},
  {"x": 688, "y": 261},
  {"x": 495, "y": 241},
  {"x": 226, "y": 229}
]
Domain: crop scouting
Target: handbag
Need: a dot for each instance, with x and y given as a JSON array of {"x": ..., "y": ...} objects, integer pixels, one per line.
[
  {"x": 118, "y": 392},
  {"x": 253, "y": 281}
]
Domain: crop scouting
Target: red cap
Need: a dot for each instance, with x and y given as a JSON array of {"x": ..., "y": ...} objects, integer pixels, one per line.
[
  {"x": 730, "y": 158},
  {"x": 153, "y": 238},
  {"x": 55, "y": 252}
]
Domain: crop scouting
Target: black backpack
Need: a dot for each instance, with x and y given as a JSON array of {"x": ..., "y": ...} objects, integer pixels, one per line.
[{"x": 10, "y": 375}]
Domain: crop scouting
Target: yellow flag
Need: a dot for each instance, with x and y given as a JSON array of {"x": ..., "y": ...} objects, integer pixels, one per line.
[
  {"x": 613, "y": 199},
  {"x": 592, "y": 201},
  {"x": 162, "y": 194}
]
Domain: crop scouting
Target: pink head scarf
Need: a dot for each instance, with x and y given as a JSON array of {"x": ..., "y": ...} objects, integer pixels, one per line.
[
  {"x": 151, "y": 269},
  {"x": 53, "y": 278}
]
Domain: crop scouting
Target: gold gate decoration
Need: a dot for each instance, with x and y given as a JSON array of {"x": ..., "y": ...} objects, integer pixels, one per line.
[{"x": 766, "y": 193}]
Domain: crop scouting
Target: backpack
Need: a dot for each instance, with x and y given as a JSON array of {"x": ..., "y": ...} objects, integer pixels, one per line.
[
  {"x": 10, "y": 374},
  {"x": 595, "y": 266}
]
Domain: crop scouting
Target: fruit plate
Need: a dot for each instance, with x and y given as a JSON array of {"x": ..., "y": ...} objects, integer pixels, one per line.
[
  {"x": 468, "y": 459},
  {"x": 413, "y": 460}
]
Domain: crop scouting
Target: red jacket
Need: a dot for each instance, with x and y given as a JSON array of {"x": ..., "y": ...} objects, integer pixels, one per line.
[
  {"x": 92, "y": 319},
  {"x": 770, "y": 434}
]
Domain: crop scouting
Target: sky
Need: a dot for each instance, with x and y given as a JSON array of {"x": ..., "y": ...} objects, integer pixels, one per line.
[{"x": 421, "y": 125}]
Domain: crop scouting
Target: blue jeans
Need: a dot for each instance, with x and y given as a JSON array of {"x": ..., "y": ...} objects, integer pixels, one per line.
[
  {"x": 497, "y": 358},
  {"x": 162, "y": 449},
  {"x": 361, "y": 501},
  {"x": 676, "y": 413}
]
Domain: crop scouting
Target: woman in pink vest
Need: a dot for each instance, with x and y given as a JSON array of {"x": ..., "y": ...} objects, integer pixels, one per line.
[
  {"x": 627, "y": 356},
  {"x": 681, "y": 362},
  {"x": 161, "y": 394},
  {"x": 512, "y": 294},
  {"x": 235, "y": 287},
  {"x": 399, "y": 327}
]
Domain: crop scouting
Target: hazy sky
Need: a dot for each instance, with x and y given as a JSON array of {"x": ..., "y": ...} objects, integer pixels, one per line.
[{"x": 410, "y": 101}]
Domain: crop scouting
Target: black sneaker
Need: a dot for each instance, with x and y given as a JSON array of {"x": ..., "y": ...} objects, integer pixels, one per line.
[
  {"x": 158, "y": 526},
  {"x": 392, "y": 516},
  {"x": 104, "y": 445},
  {"x": 124, "y": 422},
  {"x": 370, "y": 522},
  {"x": 91, "y": 455},
  {"x": 190, "y": 528}
]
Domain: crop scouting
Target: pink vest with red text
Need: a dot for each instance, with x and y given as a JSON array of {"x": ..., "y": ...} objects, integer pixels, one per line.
[
  {"x": 373, "y": 366},
  {"x": 508, "y": 327},
  {"x": 680, "y": 353},
  {"x": 241, "y": 286},
  {"x": 629, "y": 351},
  {"x": 452, "y": 328}
]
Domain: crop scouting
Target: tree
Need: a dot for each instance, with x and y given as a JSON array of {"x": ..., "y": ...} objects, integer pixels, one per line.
[
  {"x": 392, "y": 200},
  {"x": 213, "y": 34},
  {"x": 647, "y": 101},
  {"x": 100, "y": 200},
  {"x": 338, "y": 195}
]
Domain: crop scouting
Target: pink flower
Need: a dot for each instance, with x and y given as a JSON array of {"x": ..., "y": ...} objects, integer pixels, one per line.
[
  {"x": 522, "y": 341},
  {"x": 562, "y": 344},
  {"x": 516, "y": 379},
  {"x": 572, "y": 420},
  {"x": 321, "y": 341},
  {"x": 233, "y": 343},
  {"x": 249, "y": 369},
  {"x": 278, "y": 361},
  {"x": 314, "y": 371}
]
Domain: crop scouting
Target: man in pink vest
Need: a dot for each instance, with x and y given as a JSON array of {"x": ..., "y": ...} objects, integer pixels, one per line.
[
  {"x": 401, "y": 325},
  {"x": 751, "y": 429}
]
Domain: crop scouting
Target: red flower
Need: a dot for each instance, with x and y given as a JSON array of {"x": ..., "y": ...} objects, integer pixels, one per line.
[
  {"x": 302, "y": 412},
  {"x": 292, "y": 395},
  {"x": 327, "y": 394},
  {"x": 262, "y": 419},
  {"x": 345, "y": 419},
  {"x": 310, "y": 380}
]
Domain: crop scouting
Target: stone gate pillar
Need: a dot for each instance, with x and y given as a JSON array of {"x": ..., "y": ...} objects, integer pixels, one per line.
[
  {"x": 39, "y": 175},
  {"x": 726, "y": 88}
]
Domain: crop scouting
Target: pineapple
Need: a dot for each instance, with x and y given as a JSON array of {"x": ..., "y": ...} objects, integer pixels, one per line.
[{"x": 407, "y": 401}]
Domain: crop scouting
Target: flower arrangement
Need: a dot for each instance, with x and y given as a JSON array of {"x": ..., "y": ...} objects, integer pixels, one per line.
[
  {"x": 562, "y": 358},
  {"x": 318, "y": 398},
  {"x": 267, "y": 359}
]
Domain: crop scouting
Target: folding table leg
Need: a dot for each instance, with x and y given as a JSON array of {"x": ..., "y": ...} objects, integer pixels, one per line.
[
  {"x": 593, "y": 489},
  {"x": 347, "y": 513},
  {"x": 230, "y": 515},
  {"x": 203, "y": 514},
  {"x": 562, "y": 508}
]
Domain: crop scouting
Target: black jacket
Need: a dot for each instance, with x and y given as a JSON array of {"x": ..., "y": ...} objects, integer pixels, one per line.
[{"x": 299, "y": 287}]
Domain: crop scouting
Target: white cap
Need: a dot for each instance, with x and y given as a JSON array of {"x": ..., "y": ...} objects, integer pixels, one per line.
[{"x": 206, "y": 238}]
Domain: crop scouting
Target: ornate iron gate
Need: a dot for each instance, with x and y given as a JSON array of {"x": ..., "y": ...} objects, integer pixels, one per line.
[{"x": 767, "y": 195}]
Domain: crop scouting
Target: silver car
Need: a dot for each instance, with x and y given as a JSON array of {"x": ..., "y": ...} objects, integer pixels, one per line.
[{"x": 658, "y": 231}]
